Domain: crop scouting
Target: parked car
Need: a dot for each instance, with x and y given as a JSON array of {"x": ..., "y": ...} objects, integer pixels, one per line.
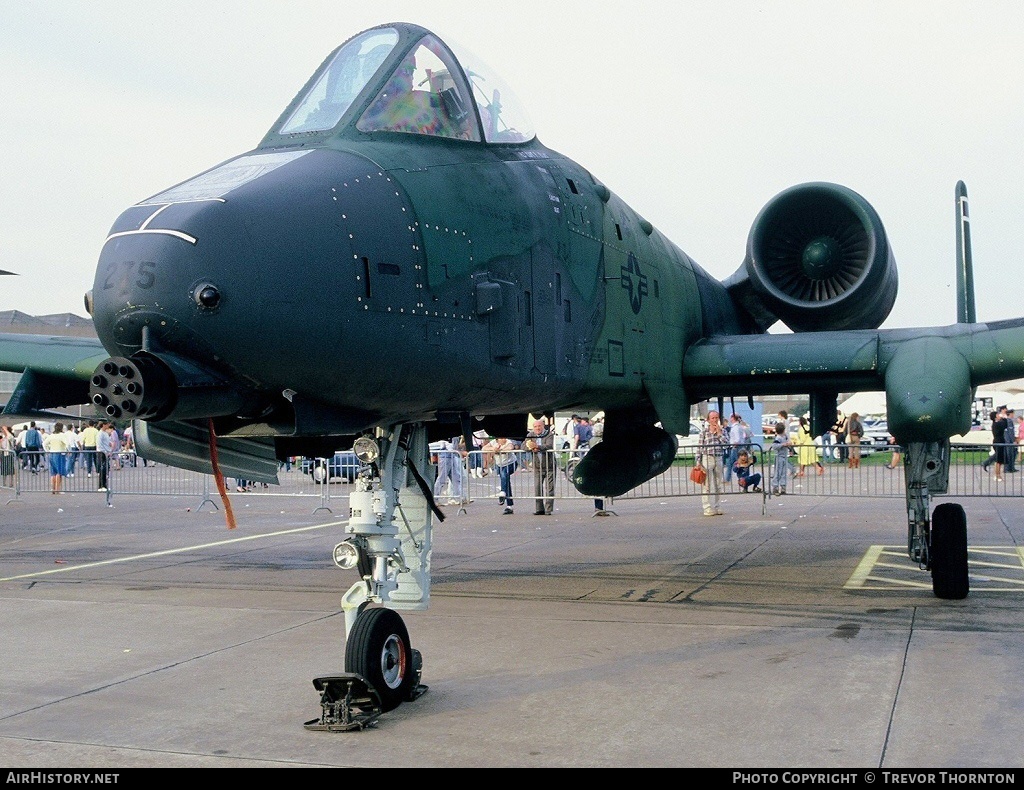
[
  {"x": 688, "y": 444},
  {"x": 343, "y": 464},
  {"x": 876, "y": 435}
]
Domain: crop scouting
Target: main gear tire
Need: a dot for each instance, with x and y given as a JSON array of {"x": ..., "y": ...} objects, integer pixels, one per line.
[{"x": 949, "y": 552}]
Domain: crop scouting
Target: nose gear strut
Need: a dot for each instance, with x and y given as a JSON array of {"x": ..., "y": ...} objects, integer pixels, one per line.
[{"x": 390, "y": 518}]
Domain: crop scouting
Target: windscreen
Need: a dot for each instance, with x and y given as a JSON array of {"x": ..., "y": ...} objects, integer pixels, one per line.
[{"x": 340, "y": 83}]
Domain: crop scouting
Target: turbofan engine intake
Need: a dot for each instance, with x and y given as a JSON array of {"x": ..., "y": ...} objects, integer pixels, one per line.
[{"x": 818, "y": 259}]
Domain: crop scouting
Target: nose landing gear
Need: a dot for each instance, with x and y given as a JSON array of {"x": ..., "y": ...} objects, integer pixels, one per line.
[{"x": 390, "y": 523}]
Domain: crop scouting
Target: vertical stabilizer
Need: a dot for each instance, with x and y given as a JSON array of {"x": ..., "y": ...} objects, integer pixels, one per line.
[{"x": 964, "y": 267}]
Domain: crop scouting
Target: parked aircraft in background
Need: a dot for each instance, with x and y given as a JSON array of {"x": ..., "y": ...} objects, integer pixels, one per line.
[{"x": 463, "y": 275}]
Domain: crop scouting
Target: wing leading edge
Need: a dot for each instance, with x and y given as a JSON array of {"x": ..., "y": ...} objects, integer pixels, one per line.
[
  {"x": 928, "y": 374},
  {"x": 55, "y": 370}
]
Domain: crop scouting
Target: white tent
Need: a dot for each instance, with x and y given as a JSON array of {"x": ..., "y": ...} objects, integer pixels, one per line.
[
  {"x": 870, "y": 404},
  {"x": 1014, "y": 400}
]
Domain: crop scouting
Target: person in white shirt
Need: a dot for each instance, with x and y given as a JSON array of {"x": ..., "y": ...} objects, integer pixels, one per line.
[
  {"x": 104, "y": 449},
  {"x": 8, "y": 456},
  {"x": 56, "y": 447},
  {"x": 74, "y": 448}
]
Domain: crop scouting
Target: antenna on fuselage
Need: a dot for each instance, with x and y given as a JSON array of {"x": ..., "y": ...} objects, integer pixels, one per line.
[{"x": 965, "y": 313}]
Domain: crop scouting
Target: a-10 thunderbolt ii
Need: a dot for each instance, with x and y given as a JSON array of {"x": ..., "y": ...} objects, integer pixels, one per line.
[{"x": 401, "y": 259}]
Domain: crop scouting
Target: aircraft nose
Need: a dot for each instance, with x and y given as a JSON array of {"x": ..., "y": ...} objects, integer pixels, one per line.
[
  {"x": 266, "y": 257},
  {"x": 163, "y": 266}
]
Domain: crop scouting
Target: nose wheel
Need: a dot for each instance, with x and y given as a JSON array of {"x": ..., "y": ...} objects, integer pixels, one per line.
[{"x": 378, "y": 650}]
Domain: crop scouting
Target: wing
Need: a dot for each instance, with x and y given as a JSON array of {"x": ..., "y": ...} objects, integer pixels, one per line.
[
  {"x": 928, "y": 374},
  {"x": 55, "y": 370}
]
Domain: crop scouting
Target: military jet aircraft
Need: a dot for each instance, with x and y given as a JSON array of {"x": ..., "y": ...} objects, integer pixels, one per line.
[{"x": 401, "y": 259}]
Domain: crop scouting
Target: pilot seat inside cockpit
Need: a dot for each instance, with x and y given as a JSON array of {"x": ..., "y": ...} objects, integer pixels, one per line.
[{"x": 421, "y": 97}]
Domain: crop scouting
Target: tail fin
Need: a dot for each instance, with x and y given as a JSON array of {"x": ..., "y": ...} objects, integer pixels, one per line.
[{"x": 964, "y": 266}]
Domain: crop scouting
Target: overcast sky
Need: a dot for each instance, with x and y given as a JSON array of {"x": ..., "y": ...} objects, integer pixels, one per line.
[{"x": 696, "y": 113}]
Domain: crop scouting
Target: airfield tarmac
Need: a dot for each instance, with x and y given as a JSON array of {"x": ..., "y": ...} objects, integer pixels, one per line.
[{"x": 149, "y": 635}]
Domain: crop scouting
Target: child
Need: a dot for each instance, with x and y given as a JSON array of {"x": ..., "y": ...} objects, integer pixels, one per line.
[
  {"x": 506, "y": 461},
  {"x": 782, "y": 448},
  {"x": 748, "y": 479}
]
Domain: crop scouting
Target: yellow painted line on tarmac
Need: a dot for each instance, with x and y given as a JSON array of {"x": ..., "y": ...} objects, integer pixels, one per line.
[
  {"x": 863, "y": 571},
  {"x": 896, "y": 582},
  {"x": 169, "y": 552},
  {"x": 894, "y": 565},
  {"x": 1008, "y": 552},
  {"x": 1017, "y": 584},
  {"x": 870, "y": 573},
  {"x": 982, "y": 564}
]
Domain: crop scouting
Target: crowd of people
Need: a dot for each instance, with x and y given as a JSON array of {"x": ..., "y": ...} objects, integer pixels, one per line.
[
  {"x": 93, "y": 450},
  {"x": 1007, "y": 433},
  {"x": 62, "y": 451},
  {"x": 723, "y": 452},
  {"x": 504, "y": 456}
]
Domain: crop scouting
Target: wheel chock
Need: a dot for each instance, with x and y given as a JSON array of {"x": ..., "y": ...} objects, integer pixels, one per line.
[{"x": 347, "y": 702}]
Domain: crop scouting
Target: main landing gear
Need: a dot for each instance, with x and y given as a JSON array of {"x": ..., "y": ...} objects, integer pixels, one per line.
[
  {"x": 391, "y": 510},
  {"x": 938, "y": 544}
]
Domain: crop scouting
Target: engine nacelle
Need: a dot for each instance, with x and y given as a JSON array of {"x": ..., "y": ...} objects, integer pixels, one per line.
[
  {"x": 817, "y": 259},
  {"x": 621, "y": 463}
]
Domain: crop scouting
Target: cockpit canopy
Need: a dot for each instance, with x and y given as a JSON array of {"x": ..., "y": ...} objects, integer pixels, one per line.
[{"x": 402, "y": 78}]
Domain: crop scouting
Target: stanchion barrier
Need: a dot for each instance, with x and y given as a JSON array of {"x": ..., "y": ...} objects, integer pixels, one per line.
[
  {"x": 972, "y": 473},
  {"x": 9, "y": 475}
]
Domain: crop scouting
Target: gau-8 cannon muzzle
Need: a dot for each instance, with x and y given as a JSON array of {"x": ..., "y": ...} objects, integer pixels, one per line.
[{"x": 150, "y": 387}]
